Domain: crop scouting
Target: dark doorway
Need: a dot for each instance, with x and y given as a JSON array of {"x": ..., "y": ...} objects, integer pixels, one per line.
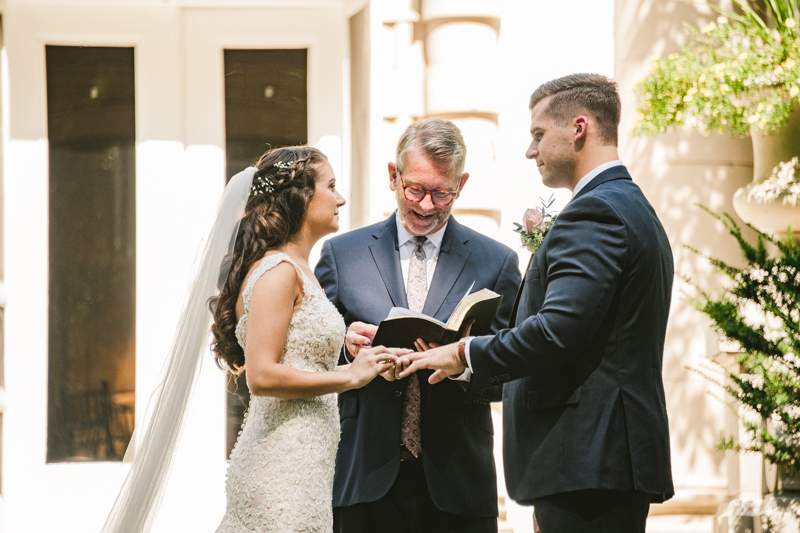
[
  {"x": 266, "y": 106},
  {"x": 92, "y": 252}
]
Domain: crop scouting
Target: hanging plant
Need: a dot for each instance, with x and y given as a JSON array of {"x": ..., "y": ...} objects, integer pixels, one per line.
[{"x": 734, "y": 75}]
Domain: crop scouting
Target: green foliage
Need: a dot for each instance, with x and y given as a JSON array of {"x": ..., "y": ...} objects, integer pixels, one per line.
[
  {"x": 533, "y": 240},
  {"x": 733, "y": 76},
  {"x": 760, "y": 310}
]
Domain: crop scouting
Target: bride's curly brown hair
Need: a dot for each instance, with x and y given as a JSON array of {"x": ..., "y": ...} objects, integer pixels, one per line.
[{"x": 282, "y": 188}]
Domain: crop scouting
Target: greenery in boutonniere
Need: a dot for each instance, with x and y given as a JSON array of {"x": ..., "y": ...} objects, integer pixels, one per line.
[
  {"x": 536, "y": 222},
  {"x": 760, "y": 311},
  {"x": 738, "y": 73}
]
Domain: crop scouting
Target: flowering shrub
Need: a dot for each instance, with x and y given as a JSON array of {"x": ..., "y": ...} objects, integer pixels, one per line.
[
  {"x": 733, "y": 76},
  {"x": 761, "y": 312}
]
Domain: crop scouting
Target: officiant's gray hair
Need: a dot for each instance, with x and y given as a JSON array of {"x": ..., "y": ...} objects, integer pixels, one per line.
[
  {"x": 571, "y": 94},
  {"x": 439, "y": 139}
]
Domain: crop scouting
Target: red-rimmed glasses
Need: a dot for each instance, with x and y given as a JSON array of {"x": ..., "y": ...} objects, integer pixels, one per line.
[{"x": 439, "y": 197}]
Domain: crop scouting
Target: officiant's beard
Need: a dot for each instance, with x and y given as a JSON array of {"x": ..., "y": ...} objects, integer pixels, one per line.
[{"x": 418, "y": 227}]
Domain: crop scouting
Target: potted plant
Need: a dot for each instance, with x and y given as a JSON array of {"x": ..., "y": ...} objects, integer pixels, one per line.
[
  {"x": 740, "y": 75},
  {"x": 760, "y": 311}
]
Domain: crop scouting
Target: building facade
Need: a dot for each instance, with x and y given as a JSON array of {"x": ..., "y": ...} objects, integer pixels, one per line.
[{"x": 121, "y": 122}]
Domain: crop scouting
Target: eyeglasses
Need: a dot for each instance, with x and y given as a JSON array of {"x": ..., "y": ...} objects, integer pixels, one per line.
[{"x": 439, "y": 198}]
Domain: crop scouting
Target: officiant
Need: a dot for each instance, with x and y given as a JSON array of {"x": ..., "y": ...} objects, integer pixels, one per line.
[{"x": 415, "y": 457}]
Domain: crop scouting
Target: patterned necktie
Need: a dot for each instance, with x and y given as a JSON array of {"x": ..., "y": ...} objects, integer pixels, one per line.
[{"x": 417, "y": 292}]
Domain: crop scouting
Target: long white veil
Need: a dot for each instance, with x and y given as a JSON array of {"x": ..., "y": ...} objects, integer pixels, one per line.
[{"x": 156, "y": 436}]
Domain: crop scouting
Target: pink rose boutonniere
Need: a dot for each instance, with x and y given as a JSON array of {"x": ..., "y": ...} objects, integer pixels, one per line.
[{"x": 535, "y": 224}]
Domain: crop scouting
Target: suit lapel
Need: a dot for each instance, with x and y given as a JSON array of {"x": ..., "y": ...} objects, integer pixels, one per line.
[
  {"x": 512, "y": 319},
  {"x": 452, "y": 258},
  {"x": 385, "y": 253},
  {"x": 613, "y": 173}
]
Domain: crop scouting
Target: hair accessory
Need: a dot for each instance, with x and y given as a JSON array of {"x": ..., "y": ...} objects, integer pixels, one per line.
[
  {"x": 283, "y": 166},
  {"x": 262, "y": 185}
]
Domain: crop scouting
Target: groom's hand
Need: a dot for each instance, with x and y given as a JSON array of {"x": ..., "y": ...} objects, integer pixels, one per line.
[
  {"x": 359, "y": 335},
  {"x": 444, "y": 360}
]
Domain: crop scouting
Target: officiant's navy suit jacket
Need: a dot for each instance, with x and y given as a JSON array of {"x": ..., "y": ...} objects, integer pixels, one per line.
[
  {"x": 583, "y": 398},
  {"x": 360, "y": 272}
]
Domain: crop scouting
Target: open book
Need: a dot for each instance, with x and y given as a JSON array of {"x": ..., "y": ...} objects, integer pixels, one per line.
[{"x": 402, "y": 327}]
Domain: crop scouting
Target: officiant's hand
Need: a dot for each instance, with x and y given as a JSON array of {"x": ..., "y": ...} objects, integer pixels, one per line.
[
  {"x": 444, "y": 360},
  {"x": 423, "y": 346},
  {"x": 359, "y": 335}
]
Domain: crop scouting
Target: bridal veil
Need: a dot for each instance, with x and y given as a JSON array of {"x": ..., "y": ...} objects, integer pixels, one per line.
[{"x": 155, "y": 439}]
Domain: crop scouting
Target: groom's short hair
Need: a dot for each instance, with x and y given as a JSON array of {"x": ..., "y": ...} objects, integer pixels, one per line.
[
  {"x": 439, "y": 139},
  {"x": 593, "y": 93}
]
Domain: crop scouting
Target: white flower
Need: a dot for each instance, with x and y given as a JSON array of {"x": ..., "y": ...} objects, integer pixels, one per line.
[{"x": 781, "y": 184}]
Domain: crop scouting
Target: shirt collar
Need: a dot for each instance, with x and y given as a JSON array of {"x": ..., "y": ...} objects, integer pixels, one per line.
[
  {"x": 584, "y": 181},
  {"x": 403, "y": 236}
]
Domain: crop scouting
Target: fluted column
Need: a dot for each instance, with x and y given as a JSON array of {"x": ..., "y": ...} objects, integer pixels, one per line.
[
  {"x": 397, "y": 91},
  {"x": 460, "y": 39}
]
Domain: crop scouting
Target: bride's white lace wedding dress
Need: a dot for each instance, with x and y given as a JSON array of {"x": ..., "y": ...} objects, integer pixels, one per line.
[{"x": 280, "y": 477}]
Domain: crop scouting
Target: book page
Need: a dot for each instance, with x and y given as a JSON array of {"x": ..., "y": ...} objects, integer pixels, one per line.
[
  {"x": 462, "y": 299},
  {"x": 402, "y": 311},
  {"x": 473, "y": 306}
]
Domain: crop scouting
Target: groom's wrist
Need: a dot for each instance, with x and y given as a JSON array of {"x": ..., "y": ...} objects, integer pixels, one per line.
[{"x": 462, "y": 351}]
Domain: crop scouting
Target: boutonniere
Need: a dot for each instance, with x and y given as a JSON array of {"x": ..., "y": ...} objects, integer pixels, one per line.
[{"x": 535, "y": 224}]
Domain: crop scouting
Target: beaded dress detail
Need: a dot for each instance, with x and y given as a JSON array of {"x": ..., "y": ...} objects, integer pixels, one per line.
[{"x": 280, "y": 477}]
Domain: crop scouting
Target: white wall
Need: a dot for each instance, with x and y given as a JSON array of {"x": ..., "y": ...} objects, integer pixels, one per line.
[{"x": 179, "y": 176}]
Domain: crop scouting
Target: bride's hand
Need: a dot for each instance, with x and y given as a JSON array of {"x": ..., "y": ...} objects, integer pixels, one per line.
[{"x": 373, "y": 361}]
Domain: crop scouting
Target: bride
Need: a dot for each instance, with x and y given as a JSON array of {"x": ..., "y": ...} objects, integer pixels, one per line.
[{"x": 271, "y": 317}]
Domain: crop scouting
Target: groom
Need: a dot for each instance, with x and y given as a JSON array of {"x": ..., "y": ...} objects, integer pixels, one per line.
[
  {"x": 416, "y": 458},
  {"x": 585, "y": 421}
]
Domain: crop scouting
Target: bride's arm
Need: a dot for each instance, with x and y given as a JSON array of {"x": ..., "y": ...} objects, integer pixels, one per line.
[{"x": 275, "y": 296}]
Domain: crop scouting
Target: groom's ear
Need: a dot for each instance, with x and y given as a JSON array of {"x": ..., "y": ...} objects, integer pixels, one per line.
[
  {"x": 392, "y": 177},
  {"x": 581, "y": 124}
]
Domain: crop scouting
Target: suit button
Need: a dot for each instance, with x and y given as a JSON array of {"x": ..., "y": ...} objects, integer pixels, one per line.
[
  {"x": 398, "y": 393},
  {"x": 507, "y": 376},
  {"x": 491, "y": 379}
]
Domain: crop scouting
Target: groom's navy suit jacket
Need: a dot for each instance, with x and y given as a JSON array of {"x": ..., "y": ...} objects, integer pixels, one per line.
[
  {"x": 583, "y": 398},
  {"x": 360, "y": 272}
]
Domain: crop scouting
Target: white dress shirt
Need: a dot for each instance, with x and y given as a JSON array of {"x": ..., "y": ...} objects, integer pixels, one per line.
[
  {"x": 406, "y": 243},
  {"x": 583, "y": 182}
]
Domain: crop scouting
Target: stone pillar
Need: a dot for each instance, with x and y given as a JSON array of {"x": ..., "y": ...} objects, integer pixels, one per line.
[
  {"x": 676, "y": 170},
  {"x": 460, "y": 39},
  {"x": 397, "y": 75}
]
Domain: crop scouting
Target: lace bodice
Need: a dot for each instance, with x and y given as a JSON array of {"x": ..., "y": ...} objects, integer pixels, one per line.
[
  {"x": 280, "y": 477},
  {"x": 304, "y": 337}
]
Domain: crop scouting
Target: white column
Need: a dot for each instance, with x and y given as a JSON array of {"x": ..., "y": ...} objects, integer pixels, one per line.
[{"x": 461, "y": 71}]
